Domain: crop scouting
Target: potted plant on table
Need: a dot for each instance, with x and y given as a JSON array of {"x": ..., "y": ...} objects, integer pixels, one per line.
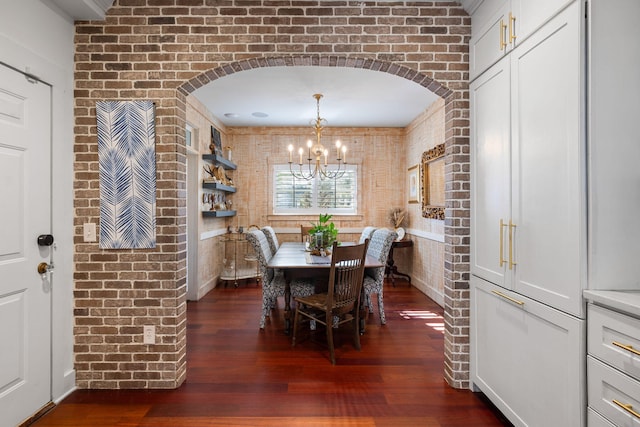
[{"x": 322, "y": 235}]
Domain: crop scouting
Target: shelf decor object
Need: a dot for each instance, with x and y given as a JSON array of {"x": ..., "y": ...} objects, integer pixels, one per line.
[
  {"x": 127, "y": 164},
  {"x": 314, "y": 163},
  {"x": 219, "y": 182}
]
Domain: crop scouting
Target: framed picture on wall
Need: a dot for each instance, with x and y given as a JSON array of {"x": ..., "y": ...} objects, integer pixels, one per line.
[
  {"x": 216, "y": 142},
  {"x": 413, "y": 182}
]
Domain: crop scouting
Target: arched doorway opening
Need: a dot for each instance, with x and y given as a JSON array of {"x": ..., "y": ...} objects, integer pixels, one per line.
[{"x": 456, "y": 227}]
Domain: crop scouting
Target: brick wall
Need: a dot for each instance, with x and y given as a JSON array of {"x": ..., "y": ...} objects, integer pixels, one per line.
[{"x": 163, "y": 50}]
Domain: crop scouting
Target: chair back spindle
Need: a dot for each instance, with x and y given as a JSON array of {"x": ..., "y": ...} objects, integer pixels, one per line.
[{"x": 341, "y": 303}]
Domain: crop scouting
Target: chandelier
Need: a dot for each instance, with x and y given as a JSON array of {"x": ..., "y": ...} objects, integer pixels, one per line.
[{"x": 314, "y": 164}]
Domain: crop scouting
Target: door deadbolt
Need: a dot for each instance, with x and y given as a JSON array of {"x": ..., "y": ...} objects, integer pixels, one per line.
[{"x": 45, "y": 240}]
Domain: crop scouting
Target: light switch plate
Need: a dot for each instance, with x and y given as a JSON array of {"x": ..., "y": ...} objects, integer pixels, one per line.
[
  {"x": 149, "y": 334},
  {"x": 89, "y": 232}
]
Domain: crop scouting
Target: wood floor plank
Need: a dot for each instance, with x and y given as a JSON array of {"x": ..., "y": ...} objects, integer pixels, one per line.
[{"x": 239, "y": 375}]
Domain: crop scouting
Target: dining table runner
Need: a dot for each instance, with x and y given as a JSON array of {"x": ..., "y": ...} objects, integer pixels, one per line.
[{"x": 315, "y": 259}]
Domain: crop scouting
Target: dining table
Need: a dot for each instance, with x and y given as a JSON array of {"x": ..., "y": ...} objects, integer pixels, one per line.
[{"x": 297, "y": 262}]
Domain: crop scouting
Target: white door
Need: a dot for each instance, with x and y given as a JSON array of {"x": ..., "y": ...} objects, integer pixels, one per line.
[{"x": 25, "y": 213}]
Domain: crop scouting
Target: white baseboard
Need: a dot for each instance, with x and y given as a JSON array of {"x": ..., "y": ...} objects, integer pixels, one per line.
[
  {"x": 436, "y": 296},
  {"x": 207, "y": 287},
  {"x": 69, "y": 386}
]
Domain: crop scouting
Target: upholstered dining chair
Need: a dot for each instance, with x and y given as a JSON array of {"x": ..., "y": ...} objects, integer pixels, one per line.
[
  {"x": 273, "y": 285},
  {"x": 379, "y": 247},
  {"x": 341, "y": 303},
  {"x": 367, "y": 232},
  {"x": 270, "y": 234}
]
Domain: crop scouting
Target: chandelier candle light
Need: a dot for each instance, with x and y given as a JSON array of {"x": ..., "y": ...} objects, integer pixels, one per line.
[{"x": 318, "y": 151}]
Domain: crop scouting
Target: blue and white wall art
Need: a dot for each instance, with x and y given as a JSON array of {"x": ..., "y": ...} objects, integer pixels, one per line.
[{"x": 127, "y": 157}]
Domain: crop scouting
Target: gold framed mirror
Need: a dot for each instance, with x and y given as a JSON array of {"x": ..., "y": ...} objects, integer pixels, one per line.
[{"x": 433, "y": 183}]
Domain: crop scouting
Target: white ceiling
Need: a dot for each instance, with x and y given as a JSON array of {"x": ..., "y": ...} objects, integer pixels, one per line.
[{"x": 351, "y": 97}]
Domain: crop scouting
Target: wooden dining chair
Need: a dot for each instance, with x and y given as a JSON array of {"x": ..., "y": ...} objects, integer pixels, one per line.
[
  {"x": 304, "y": 232},
  {"x": 341, "y": 303}
]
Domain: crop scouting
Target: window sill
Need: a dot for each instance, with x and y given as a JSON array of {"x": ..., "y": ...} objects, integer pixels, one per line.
[{"x": 313, "y": 217}]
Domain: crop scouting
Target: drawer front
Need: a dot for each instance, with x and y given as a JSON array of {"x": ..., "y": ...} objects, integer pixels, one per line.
[
  {"x": 596, "y": 420},
  {"x": 614, "y": 338},
  {"x": 518, "y": 348},
  {"x": 609, "y": 390}
]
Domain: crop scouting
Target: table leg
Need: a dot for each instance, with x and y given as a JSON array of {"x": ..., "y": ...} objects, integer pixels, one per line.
[
  {"x": 392, "y": 271},
  {"x": 287, "y": 307},
  {"x": 362, "y": 312}
]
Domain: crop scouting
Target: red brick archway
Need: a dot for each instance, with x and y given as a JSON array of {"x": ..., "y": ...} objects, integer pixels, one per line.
[{"x": 162, "y": 51}]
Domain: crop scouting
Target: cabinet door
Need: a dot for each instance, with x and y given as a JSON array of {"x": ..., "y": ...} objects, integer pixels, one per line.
[
  {"x": 488, "y": 41},
  {"x": 529, "y": 15},
  {"x": 548, "y": 195},
  {"x": 527, "y": 358},
  {"x": 491, "y": 176}
]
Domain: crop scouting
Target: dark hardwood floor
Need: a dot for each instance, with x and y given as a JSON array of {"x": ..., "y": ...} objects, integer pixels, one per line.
[{"x": 240, "y": 376}]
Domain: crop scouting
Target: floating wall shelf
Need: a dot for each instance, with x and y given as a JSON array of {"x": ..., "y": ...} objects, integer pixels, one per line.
[
  {"x": 218, "y": 214},
  {"x": 219, "y": 160}
]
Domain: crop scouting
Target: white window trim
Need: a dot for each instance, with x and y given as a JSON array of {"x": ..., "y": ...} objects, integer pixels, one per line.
[{"x": 315, "y": 210}]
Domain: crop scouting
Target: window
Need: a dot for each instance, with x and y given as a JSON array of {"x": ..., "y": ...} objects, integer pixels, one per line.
[
  {"x": 315, "y": 196},
  {"x": 188, "y": 136}
]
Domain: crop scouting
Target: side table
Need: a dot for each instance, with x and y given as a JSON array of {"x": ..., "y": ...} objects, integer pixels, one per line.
[{"x": 391, "y": 270}]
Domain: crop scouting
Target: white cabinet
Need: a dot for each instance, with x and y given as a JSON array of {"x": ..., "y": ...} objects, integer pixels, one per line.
[
  {"x": 570, "y": 86},
  {"x": 500, "y": 25},
  {"x": 528, "y": 222},
  {"x": 527, "y": 167},
  {"x": 527, "y": 357},
  {"x": 488, "y": 35},
  {"x": 613, "y": 364}
]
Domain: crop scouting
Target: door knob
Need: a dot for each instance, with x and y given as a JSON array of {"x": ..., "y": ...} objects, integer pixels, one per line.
[{"x": 43, "y": 267}]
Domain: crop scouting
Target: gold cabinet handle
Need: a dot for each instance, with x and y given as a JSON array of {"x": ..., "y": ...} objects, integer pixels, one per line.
[
  {"x": 512, "y": 27},
  {"x": 503, "y": 35},
  {"x": 511, "y": 261},
  {"x": 626, "y": 347},
  {"x": 502, "y": 260},
  {"x": 627, "y": 407},
  {"x": 508, "y": 298}
]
